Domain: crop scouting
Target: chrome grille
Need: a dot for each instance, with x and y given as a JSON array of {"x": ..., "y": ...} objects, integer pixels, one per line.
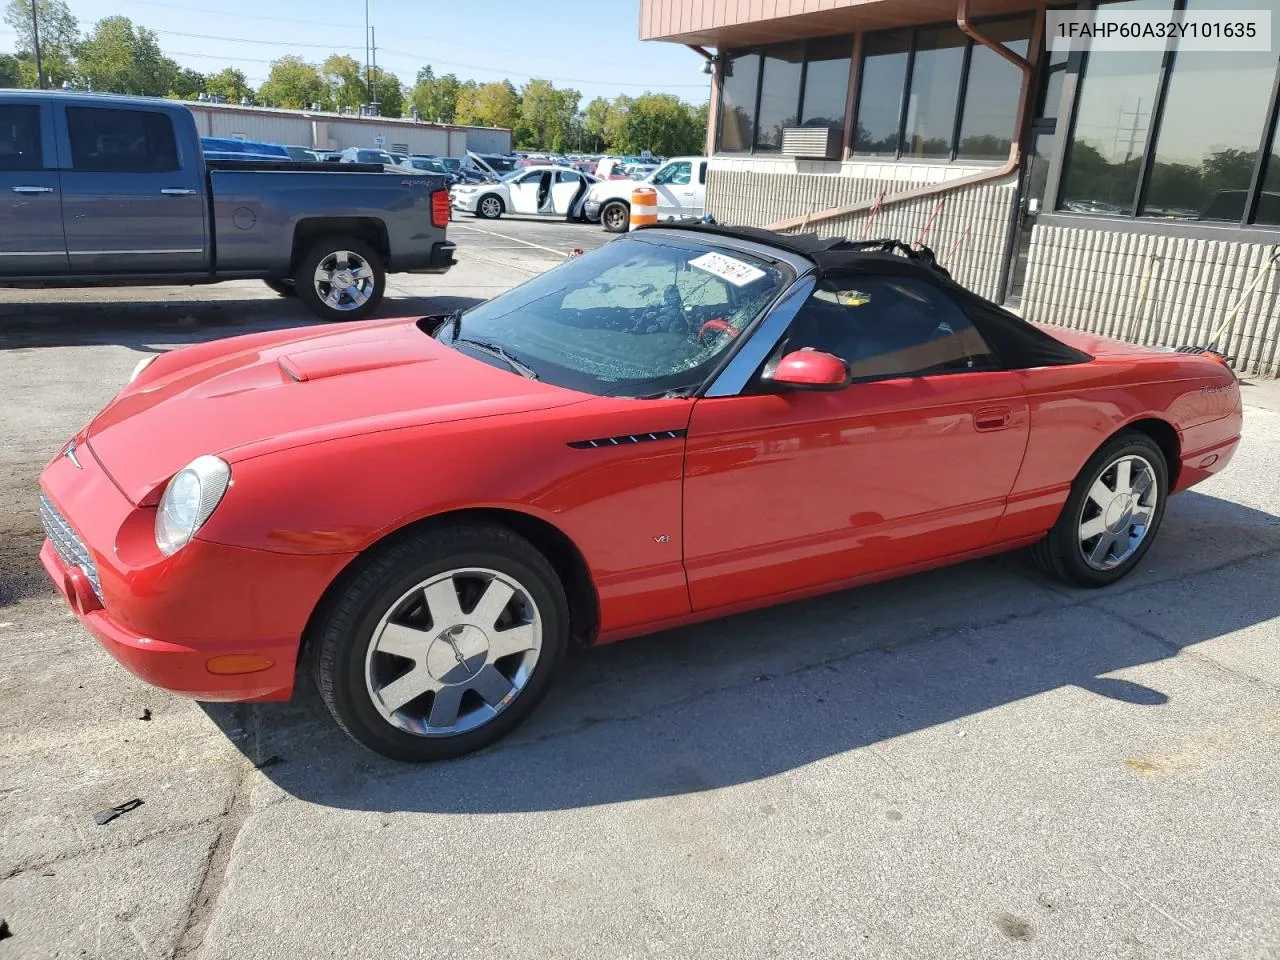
[{"x": 67, "y": 542}]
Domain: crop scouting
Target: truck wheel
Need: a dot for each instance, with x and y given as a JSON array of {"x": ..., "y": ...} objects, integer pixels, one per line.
[
  {"x": 616, "y": 216},
  {"x": 490, "y": 207},
  {"x": 281, "y": 286},
  {"x": 341, "y": 278}
]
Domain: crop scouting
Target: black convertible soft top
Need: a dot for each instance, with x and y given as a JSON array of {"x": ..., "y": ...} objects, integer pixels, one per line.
[{"x": 1016, "y": 342}]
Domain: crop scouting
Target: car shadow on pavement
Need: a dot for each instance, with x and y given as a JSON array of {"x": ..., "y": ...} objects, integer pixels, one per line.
[
  {"x": 761, "y": 694},
  {"x": 142, "y": 325}
]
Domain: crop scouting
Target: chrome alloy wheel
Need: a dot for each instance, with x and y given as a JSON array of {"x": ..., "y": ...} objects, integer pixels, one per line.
[
  {"x": 491, "y": 207},
  {"x": 344, "y": 281},
  {"x": 453, "y": 652},
  {"x": 1117, "y": 512}
]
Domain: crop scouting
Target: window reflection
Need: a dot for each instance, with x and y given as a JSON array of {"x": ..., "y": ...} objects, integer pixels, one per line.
[
  {"x": 1205, "y": 154},
  {"x": 1117, "y": 92},
  {"x": 884, "y": 75},
  {"x": 826, "y": 82},
  {"x": 991, "y": 94},
  {"x": 935, "y": 92},
  {"x": 738, "y": 101},
  {"x": 779, "y": 94}
]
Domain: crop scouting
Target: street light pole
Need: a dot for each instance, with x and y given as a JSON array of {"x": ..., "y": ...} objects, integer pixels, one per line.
[
  {"x": 35, "y": 36},
  {"x": 368, "y": 77}
]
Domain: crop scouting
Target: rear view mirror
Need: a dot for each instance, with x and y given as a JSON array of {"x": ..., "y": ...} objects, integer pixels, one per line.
[{"x": 810, "y": 369}]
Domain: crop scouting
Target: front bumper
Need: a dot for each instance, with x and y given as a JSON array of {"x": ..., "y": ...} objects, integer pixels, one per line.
[
  {"x": 442, "y": 258},
  {"x": 591, "y": 209},
  {"x": 212, "y": 622},
  {"x": 465, "y": 202}
]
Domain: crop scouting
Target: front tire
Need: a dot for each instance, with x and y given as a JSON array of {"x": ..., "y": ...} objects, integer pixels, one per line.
[
  {"x": 341, "y": 278},
  {"x": 615, "y": 217},
  {"x": 442, "y": 643},
  {"x": 1112, "y": 515},
  {"x": 489, "y": 207}
]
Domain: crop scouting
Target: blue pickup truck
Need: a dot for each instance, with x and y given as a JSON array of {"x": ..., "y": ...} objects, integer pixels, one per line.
[{"x": 109, "y": 190}]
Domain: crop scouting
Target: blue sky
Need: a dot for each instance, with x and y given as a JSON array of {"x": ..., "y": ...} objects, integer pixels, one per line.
[{"x": 589, "y": 45}]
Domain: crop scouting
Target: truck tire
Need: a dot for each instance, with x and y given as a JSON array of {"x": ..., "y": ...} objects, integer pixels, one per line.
[
  {"x": 281, "y": 286},
  {"x": 341, "y": 278},
  {"x": 615, "y": 216}
]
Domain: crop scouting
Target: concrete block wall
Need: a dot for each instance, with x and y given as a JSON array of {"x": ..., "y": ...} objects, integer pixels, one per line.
[
  {"x": 1094, "y": 279},
  {"x": 967, "y": 234}
]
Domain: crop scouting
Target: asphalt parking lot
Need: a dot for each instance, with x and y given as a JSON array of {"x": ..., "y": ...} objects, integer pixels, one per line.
[{"x": 974, "y": 762}]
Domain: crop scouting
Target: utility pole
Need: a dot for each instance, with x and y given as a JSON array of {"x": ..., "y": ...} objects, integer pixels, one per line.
[
  {"x": 35, "y": 36},
  {"x": 368, "y": 77},
  {"x": 373, "y": 44}
]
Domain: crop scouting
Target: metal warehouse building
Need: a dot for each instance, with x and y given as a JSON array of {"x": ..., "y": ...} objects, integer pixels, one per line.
[
  {"x": 1132, "y": 194},
  {"x": 334, "y": 131}
]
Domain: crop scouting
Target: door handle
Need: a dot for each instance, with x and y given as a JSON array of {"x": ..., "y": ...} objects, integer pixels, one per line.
[
  {"x": 992, "y": 418},
  {"x": 33, "y": 189},
  {"x": 178, "y": 192}
]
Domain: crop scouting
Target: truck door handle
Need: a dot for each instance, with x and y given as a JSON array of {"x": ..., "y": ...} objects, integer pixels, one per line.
[
  {"x": 178, "y": 192},
  {"x": 33, "y": 189},
  {"x": 992, "y": 418}
]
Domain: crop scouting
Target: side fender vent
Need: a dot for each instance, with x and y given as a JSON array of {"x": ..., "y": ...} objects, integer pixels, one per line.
[{"x": 628, "y": 438}]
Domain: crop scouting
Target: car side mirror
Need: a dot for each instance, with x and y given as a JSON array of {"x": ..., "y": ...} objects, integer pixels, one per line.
[{"x": 810, "y": 369}]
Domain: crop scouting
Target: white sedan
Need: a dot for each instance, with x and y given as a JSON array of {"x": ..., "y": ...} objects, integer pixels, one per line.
[{"x": 535, "y": 191}]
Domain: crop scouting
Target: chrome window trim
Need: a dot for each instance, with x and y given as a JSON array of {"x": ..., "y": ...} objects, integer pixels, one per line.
[
  {"x": 104, "y": 253},
  {"x": 734, "y": 378}
]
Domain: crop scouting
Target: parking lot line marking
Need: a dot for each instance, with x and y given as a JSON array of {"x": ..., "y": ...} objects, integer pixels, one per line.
[{"x": 527, "y": 243}]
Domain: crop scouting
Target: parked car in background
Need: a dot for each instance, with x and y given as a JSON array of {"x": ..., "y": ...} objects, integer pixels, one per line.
[
  {"x": 303, "y": 154},
  {"x": 227, "y": 148},
  {"x": 491, "y": 164},
  {"x": 430, "y": 165},
  {"x": 367, "y": 155},
  {"x": 131, "y": 199},
  {"x": 683, "y": 424},
  {"x": 681, "y": 185},
  {"x": 535, "y": 191}
]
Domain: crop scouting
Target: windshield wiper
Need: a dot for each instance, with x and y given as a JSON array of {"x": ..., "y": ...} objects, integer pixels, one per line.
[{"x": 496, "y": 351}]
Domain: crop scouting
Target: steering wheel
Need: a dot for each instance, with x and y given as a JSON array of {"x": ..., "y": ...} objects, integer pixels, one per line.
[{"x": 716, "y": 325}]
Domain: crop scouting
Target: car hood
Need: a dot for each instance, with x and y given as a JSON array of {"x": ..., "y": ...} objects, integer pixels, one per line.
[{"x": 247, "y": 396}]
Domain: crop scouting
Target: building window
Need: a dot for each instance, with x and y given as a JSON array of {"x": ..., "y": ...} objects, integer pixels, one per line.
[
  {"x": 779, "y": 94},
  {"x": 885, "y": 59},
  {"x": 1173, "y": 136},
  {"x": 934, "y": 93},
  {"x": 738, "y": 101},
  {"x": 992, "y": 88},
  {"x": 826, "y": 83},
  {"x": 764, "y": 91}
]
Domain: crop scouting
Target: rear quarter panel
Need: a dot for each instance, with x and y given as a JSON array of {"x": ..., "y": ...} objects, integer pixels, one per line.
[
  {"x": 1076, "y": 409},
  {"x": 255, "y": 213}
]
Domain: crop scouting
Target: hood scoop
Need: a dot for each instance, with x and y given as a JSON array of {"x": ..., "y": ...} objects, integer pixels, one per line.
[{"x": 337, "y": 360}]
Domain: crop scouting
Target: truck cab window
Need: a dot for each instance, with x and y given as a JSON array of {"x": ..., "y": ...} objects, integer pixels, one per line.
[
  {"x": 20, "y": 138},
  {"x": 121, "y": 141}
]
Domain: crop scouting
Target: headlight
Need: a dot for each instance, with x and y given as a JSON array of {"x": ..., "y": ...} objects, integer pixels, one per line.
[
  {"x": 189, "y": 500},
  {"x": 140, "y": 366}
]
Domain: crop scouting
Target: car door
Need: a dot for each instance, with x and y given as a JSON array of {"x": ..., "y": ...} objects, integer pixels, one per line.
[
  {"x": 671, "y": 182},
  {"x": 31, "y": 237},
  {"x": 787, "y": 491},
  {"x": 524, "y": 191},
  {"x": 132, "y": 201},
  {"x": 567, "y": 186},
  {"x": 696, "y": 196}
]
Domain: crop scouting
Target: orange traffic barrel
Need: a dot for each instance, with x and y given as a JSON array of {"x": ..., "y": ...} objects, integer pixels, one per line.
[{"x": 644, "y": 206}]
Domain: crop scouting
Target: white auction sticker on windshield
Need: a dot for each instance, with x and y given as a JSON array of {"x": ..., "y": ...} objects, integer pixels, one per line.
[{"x": 727, "y": 268}]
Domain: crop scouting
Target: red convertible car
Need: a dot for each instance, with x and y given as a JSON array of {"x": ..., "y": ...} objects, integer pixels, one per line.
[{"x": 688, "y": 422}]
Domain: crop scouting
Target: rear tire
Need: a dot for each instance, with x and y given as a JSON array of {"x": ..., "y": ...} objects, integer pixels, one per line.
[
  {"x": 341, "y": 259},
  {"x": 281, "y": 286},
  {"x": 410, "y": 675},
  {"x": 1112, "y": 515},
  {"x": 615, "y": 217}
]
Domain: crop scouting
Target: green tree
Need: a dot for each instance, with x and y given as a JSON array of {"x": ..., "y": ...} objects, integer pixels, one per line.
[
  {"x": 663, "y": 123},
  {"x": 10, "y": 71},
  {"x": 616, "y": 133},
  {"x": 294, "y": 83},
  {"x": 230, "y": 83},
  {"x": 546, "y": 115},
  {"x": 436, "y": 97},
  {"x": 187, "y": 84},
  {"x": 345, "y": 77},
  {"x": 490, "y": 105},
  {"x": 594, "y": 119},
  {"x": 59, "y": 37},
  {"x": 120, "y": 58},
  {"x": 389, "y": 92}
]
